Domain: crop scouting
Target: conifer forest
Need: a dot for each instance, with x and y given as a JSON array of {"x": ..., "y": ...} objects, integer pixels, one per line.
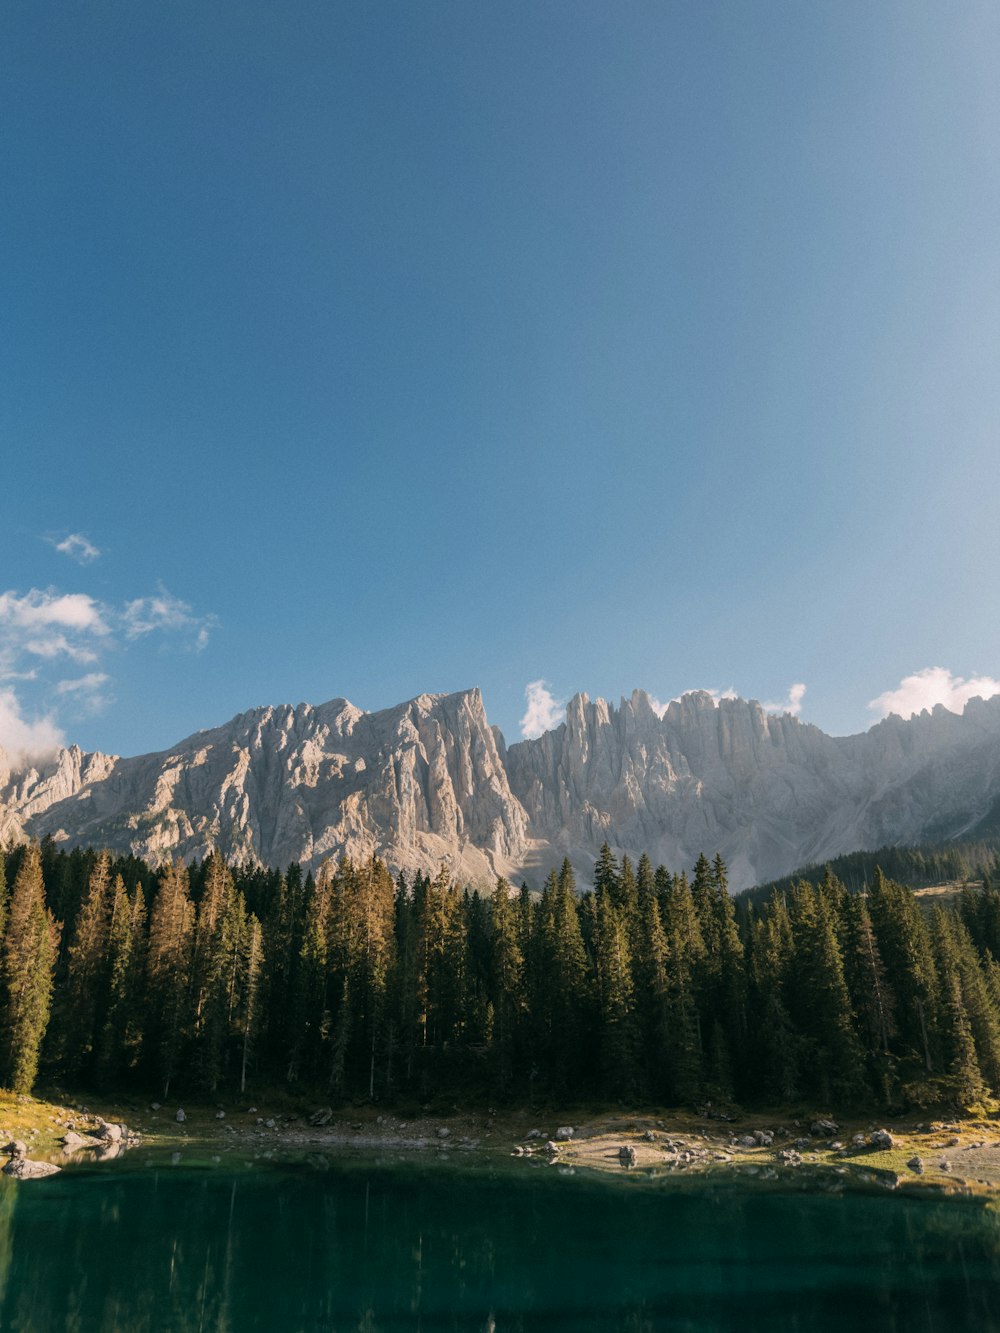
[{"x": 655, "y": 986}]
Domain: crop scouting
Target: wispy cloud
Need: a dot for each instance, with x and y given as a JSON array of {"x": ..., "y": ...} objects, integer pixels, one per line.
[
  {"x": 164, "y": 612},
  {"x": 77, "y": 546},
  {"x": 933, "y": 685},
  {"x": 88, "y": 693},
  {"x": 544, "y": 711},
  {"x": 93, "y": 680}
]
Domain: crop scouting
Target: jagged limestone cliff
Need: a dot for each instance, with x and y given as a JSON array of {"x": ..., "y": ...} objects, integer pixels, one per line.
[
  {"x": 415, "y": 784},
  {"x": 430, "y": 780}
]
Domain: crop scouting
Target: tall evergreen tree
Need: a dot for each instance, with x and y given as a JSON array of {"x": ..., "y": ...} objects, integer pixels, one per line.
[
  {"x": 168, "y": 964},
  {"x": 26, "y": 966},
  {"x": 84, "y": 990}
]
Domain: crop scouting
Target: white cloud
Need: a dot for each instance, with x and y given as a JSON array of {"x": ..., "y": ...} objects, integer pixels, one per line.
[
  {"x": 792, "y": 705},
  {"x": 38, "y": 610},
  {"x": 86, "y": 694},
  {"x": 24, "y": 739},
  {"x": 77, "y": 547},
  {"x": 163, "y": 611},
  {"x": 43, "y": 630},
  {"x": 93, "y": 680},
  {"x": 659, "y": 708},
  {"x": 544, "y": 711},
  {"x": 933, "y": 685},
  {"x": 57, "y": 645}
]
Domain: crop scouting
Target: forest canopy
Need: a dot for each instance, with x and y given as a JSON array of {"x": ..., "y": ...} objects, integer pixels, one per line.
[{"x": 655, "y": 986}]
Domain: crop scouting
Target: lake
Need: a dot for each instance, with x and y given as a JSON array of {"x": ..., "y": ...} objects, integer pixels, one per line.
[{"x": 368, "y": 1245}]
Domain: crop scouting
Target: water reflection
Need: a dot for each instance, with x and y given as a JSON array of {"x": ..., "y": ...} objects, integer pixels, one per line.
[{"x": 324, "y": 1245}]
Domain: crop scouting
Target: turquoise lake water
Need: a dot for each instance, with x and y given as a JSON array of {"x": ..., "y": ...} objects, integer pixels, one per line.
[{"x": 327, "y": 1243}]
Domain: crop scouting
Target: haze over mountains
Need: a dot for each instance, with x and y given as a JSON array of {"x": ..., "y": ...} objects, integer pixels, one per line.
[{"x": 430, "y": 779}]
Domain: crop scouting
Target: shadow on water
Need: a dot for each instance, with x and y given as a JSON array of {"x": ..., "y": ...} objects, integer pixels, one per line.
[{"x": 369, "y": 1246}]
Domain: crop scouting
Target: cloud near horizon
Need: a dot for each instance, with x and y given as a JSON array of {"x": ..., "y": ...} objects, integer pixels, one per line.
[
  {"x": 792, "y": 704},
  {"x": 931, "y": 686},
  {"x": 43, "y": 629},
  {"x": 544, "y": 711},
  {"x": 22, "y": 738}
]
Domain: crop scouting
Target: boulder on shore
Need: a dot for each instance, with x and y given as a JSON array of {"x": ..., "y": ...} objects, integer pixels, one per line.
[
  {"x": 71, "y": 1141},
  {"x": 21, "y": 1168}
]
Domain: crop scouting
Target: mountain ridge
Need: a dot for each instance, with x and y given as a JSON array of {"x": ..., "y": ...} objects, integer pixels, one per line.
[{"x": 430, "y": 779}]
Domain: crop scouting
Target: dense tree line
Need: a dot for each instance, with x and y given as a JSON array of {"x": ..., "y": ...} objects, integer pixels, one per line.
[
  {"x": 352, "y": 984},
  {"x": 918, "y": 867}
]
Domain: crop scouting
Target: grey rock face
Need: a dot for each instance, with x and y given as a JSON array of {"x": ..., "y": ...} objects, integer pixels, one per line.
[
  {"x": 769, "y": 792},
  {"x": 414, "y": 784},
  {"x": 430, "y": 780}
]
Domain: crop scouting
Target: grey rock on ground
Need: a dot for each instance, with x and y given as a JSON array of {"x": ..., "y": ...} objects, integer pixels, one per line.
[{"x": 22, "y": 1168}]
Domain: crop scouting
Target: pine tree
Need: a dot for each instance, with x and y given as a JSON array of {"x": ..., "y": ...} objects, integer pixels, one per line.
[
  {"x": 311, "y": 1016},
  {"x": 687, "y": 955},
  {"x": 168, "y": 964},
  {"x": 84, "y": 989},
  {"x": 121, "y": 1034},
  {"x": 26, "y": 966},
  {"x": 961, "y": 1060},
  {"x": 613, "y": 964},
  {"x": 874, "y": 1002},
  {"x": 776, "y": 1047},
  {"x": 507, "y": 981},
  {"x": 253, "y": 955},
  {"x": 215, "y": 971},
  {"x": 651, "y": 974},
  {"x": 822, "y": 1002},
  {"x": 560, "y": 998},
  {"x": 905, "y": 946}
]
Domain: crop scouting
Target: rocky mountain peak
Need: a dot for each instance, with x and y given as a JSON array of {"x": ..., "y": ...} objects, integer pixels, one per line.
[{"x": 429, "y": 780}]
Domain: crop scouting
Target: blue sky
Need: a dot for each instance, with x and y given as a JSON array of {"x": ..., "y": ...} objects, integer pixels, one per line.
[{"x": 375, "y": 349}]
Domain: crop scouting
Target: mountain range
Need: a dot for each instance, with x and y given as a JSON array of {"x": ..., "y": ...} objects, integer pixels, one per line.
[{"x": 430, "y": 779}]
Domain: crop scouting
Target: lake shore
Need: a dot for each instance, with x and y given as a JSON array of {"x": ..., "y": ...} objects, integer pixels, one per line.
[{"x": 961, "y": 1153}]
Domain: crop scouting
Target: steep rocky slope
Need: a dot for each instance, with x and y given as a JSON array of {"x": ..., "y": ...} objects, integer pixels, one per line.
[
  {"x": 431, "y": 780},
  {"x": 413, "y": 783},
  {"x": 765, "y": 790}
]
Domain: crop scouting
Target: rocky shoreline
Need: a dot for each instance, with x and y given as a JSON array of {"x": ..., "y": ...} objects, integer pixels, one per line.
[{"x": 958, "y": 1153}]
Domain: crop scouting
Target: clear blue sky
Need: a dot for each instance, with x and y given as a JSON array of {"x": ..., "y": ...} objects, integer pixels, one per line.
[{"x": 383, "y": 348}]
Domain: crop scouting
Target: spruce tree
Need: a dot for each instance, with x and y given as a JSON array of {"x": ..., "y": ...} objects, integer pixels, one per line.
[
  {"x": 168, "y": 972},
  {"x": 507, "y": 982},
  {"x": 84, "y": 989},
  {"x": 26, "y": 965}
]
